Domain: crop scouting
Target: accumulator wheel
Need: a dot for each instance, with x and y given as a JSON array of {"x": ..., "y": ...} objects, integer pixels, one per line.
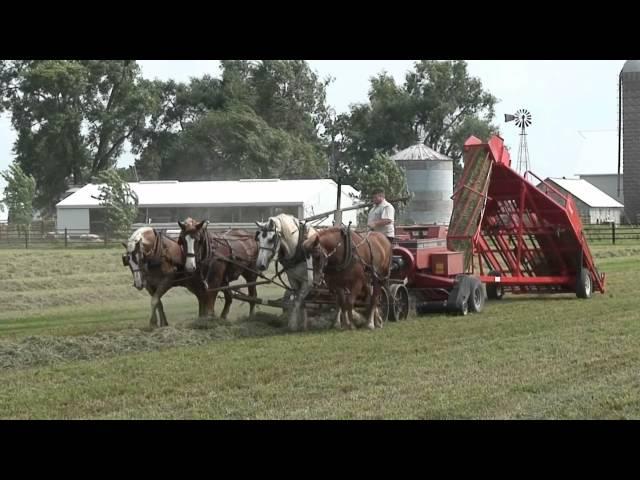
[
  {"x": 399, "y": 302},
  {"x": 584, "y": 288},
  {"x": 476, "y": 299},
  {"x": 494, "y": 290}
]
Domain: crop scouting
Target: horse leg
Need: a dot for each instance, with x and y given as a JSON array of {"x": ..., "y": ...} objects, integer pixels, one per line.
[
  {"x": 373, "y": 307},
  {"x": 341, "y": 295},
  {"x": 155, "y": 299},
  {"x": 228, "y": 298},
  {"x": 337, "y": 324},
  {"x": 293, "y": 314},
  {"x": 305, "y": 319},
  {"x": 298, "y": 307},
  {"x": 201, "y": 306},
  {"x": 161, "y": 314},
  {"x": 253, "y": 292},
  {"x": 210, "y": 300},
  {"x": 153, "y": 321}
]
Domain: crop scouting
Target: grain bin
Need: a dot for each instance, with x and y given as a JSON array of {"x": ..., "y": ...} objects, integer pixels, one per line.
[{"x": 430, "y": 181}]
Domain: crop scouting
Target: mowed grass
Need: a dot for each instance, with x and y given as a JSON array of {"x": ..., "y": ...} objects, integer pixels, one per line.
[
  {"x": 81, "y": 291},
  {"x": 82, "y": 349}
]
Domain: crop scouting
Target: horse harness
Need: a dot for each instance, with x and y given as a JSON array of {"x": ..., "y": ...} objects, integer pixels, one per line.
[
  {"x": 351, "y": 254},
  {"x": 299, "y": 255}
]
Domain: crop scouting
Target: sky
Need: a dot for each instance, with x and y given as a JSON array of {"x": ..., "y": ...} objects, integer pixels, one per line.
[{"x": 573, "y": 104}]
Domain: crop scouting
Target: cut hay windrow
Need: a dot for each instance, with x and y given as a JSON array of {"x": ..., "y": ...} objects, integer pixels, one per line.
[{"x": 35, "y": 351}]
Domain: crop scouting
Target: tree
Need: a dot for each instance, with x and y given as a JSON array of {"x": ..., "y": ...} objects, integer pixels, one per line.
[
  {"x": 72, "y": 117},
  {"x": 230, "y": 144},
  {"x": 119, "y": 201},
  {"x": 449, "y": 103},
  {"x": 18, "y": 195},
  {"x": 439, "y": 103}
]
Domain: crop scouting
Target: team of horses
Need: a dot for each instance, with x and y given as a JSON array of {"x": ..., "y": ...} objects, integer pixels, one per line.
[{"x": 352, "y": 266}]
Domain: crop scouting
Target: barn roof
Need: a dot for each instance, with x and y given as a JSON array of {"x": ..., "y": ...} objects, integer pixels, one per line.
[
  {"x": 229, "y": 193},
  {"x": 587, "y": 192}
]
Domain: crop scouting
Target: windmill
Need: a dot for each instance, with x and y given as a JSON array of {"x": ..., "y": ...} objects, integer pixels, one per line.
[{"x": 522, "y": 119}]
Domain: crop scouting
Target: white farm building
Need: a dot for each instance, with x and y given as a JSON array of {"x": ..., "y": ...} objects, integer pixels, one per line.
[
  {"x": 234, "y": 203},
  {"x": 593, "y": 204}
]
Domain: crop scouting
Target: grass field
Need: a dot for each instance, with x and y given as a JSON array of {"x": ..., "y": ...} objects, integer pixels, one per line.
[{"x": 75, "y": 343}]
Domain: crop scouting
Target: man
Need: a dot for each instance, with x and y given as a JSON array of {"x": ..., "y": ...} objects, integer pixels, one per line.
[{"x": 382, "y": 215}]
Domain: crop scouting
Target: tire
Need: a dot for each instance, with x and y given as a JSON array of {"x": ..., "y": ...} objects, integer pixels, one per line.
[
  {"x": 477, "y": 297},
  {"x": 399, "y": 303},
  {"x": 458, "y": 301},
  {"x": 495, "y": 291},
  {"x": 584, "y": 286}
]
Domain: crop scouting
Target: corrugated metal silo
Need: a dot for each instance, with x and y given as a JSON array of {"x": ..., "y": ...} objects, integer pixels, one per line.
[
  {"x": 430, "y": 180},
  {"x": 630, "y": 102}
]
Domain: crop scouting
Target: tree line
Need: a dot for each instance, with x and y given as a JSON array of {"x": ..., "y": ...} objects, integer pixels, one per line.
[{"x": 256, "y": 119}]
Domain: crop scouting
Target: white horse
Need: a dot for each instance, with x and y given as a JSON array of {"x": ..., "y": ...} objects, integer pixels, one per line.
[{"x": 279, "y": 239}]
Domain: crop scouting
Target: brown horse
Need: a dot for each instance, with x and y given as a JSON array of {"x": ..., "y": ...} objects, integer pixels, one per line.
[
  {"x": 353, "y": 266},
  {"x": 220, "y": 259},
  {"x": 156, "y": 263}
]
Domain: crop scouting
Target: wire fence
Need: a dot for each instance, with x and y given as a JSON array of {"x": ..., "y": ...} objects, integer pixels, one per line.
[
  {"x": 37, "y": 235},
  {"x": 44, "y": 234},
  {"x": 612, "y": 234}
]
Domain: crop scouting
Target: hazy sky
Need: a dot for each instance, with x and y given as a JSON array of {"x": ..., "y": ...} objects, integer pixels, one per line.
[{"x": 573, "y": 104}]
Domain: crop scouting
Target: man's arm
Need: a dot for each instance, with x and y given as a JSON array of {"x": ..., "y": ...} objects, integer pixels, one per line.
[
  {"x": 387, "y": 218},
  {"x": 380, "y": 223}
]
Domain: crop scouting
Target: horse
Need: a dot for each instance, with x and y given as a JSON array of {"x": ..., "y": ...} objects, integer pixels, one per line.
[
  {"x": 351, "y": 270},
  {"x": 220, "y": 259},
  {"x": 156, "y": 263},
  {"x": 281, "y": 238}
]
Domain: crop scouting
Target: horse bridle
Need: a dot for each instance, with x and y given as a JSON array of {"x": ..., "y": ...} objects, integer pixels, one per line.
[
  {"x": 276, "y": 243},
  {"x": 325, "y": 262},
  {"x": 202, "y": 239}
]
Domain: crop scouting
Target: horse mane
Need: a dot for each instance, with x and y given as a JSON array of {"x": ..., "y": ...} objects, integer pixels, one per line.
[
  {"x": 287, "y": 227},
  {"x": 137, "y": 236}
]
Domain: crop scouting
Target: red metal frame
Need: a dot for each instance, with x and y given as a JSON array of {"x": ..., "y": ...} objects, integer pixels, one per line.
[{"x": 532, "y": 236}]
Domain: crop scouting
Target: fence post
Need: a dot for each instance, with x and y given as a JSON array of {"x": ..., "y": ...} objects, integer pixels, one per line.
[
  {"x": 26, "y": 237},
  {"x": 105, "y": 237},
  {"x": 613, "y": 232},
  {"x": 65, "y": 237}
]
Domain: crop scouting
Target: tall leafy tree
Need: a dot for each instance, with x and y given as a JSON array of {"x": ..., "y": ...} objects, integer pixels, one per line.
[
  {"x": 439, "y": 103},
  {"x": 72, "y": 117},
  {"x": 261, "y": 119},
  {"x": 18, "y": 195},
  {"x": 230, "y": 144}
]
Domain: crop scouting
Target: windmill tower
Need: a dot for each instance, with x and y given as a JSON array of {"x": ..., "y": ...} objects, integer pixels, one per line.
[{"x": 522, "y": 119}]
